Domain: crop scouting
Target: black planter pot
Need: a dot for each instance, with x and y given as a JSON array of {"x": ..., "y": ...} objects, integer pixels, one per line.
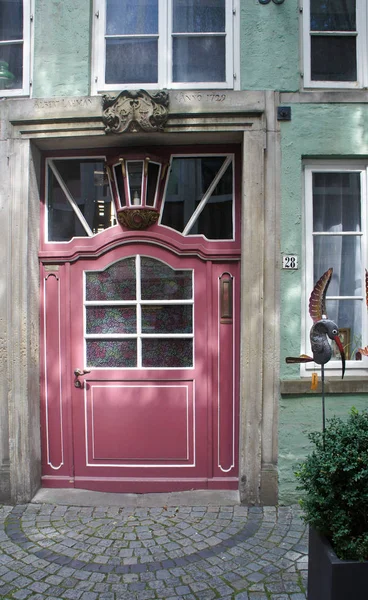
[{"x": 330, "y": 578}]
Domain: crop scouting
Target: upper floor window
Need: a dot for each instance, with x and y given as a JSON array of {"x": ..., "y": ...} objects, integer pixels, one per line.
[
  {"x": 162, "y": 44},
  {"x": 336, "y": 236},
  {"x": 335, "y": 34},
  {"x": 14, "y": 47}
]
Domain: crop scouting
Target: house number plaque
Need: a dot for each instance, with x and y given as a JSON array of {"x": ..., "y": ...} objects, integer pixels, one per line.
[{"x": 290, "y": 261}]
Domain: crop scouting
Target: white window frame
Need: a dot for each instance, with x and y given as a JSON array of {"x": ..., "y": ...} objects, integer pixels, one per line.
[
  {"x": 361, "y": 50},
  {"x": 232, "y": 49},
  {"x": 27, "y": 52},
  {"x": 332, "y": 368}
]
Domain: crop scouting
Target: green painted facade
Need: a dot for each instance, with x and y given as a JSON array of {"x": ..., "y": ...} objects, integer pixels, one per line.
[
  {"x": 62, "y": 48},
  {"x": 316, "y": 131},
  {"x": 297, "y": 417},
  {"x": 269, "y": 46},
  {"x": 330, "y": 131}
]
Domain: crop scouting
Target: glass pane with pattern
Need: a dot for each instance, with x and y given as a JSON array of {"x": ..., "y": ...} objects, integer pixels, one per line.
[{"x": 139, "y": 313}]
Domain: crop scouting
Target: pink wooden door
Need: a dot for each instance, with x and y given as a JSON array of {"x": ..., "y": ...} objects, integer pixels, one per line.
[
  {"x": 140, "y": 418},
  {"x": 149, "y": 321},
  {"x": 156, "y": 410}
]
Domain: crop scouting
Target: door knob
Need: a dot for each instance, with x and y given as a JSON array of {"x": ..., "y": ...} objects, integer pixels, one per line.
[{"x": 78, "y": 373}]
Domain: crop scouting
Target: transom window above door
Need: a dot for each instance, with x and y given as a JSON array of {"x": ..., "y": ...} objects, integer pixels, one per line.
[
  {"x": 162, "y": 43},
  {"x": 191, "y": 194}
]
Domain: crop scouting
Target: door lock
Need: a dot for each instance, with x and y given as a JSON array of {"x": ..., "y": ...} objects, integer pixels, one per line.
[{"x": 78, "y": 373}]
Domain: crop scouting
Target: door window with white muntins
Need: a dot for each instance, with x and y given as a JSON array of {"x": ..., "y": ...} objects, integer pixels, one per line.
[{"x": 139, "y": 314}]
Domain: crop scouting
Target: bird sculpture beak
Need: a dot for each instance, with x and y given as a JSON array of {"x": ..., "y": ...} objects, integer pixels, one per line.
[{"x": 342, "y": 353}]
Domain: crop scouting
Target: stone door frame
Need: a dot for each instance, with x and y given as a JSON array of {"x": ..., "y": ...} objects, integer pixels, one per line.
[{"x": 27, "y": 126}]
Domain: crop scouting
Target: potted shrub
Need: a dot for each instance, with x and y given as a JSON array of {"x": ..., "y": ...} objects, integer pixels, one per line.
[{"x": 334, "y": 478}]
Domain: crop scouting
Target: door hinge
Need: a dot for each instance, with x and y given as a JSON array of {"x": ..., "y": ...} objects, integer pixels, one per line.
[{"x": 97, "y": 14}]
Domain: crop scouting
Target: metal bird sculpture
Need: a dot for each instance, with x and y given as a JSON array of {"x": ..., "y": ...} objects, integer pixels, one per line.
[
  {"x": 364, "y": 351},
  {"x": 322, "y": 328}
]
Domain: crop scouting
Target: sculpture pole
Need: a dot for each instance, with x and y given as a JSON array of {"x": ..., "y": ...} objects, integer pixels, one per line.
[{"x": 323, "y": 405}]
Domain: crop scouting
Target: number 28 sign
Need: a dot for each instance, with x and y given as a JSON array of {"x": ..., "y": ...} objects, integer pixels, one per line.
[{"x": 289, "y": 261}]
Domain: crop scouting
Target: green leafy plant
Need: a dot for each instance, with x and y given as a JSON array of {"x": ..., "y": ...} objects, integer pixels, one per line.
[{"x": 334, "y": 478}]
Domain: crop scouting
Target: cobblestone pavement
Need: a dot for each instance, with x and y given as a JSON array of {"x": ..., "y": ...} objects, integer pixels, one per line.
[{"x": 110, "y": 553}]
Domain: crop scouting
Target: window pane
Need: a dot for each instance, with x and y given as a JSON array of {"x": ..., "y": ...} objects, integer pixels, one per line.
[
  {"x": 198, "y": 16},
  {"x": 199, "y": 59},
  {"x": 336, "y": 202},
  {"x": 153, "y": 172},
  {"x": 135, "y": 174},
  {"x": 333, "y": 15},
  {"x": 343, "y": 254},
  {"x": 160, "y": 282},
  {"x": 167, "y": 319},
  {"x": 167, "y": 353},
  {"x": 88, "y": 185},
  {"x": 347, "y": 314},
  {"x": 127, "y": 17},
  {"x": 111, "y": 319},
  {"x": 333, "y": 58},
  {"x": 131, "y": 61},
  {"x": 120, "y": 184},
  {"x": 118, "y": 282},
  {"x": 11, "y": 20},
  {"x": 63, "y": 223},
  {"x": 216, "y": 219},
  {"x": 189, "y": 179},
  {"x": 111, "y": 353},
  {"x": 11, "y": 65}
]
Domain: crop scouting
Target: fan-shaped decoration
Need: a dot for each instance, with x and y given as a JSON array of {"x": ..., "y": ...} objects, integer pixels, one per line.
[{"x": 317, "y": 300}]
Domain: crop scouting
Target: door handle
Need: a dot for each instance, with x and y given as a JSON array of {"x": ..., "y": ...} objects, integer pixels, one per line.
[
  {"x": 78, "y": 373},
  {"x": 226, "y": 298}
]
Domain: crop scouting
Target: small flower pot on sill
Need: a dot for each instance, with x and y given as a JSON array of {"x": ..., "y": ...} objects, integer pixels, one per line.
[{"x": 330, "y": 578}]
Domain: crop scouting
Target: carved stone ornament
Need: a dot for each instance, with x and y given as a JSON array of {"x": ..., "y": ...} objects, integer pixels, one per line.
[
  {"x": 135, "y": 111},
  {"x": 138, "y": 218}
]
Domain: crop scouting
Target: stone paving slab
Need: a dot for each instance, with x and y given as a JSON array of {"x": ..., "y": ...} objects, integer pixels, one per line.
[{"x": 161, "y": 552}]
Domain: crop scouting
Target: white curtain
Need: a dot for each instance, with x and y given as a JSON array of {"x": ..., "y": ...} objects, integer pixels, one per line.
[{"x": 336, "y": 210}]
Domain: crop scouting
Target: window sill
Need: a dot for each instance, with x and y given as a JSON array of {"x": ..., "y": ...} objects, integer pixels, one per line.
[
  {"x": 333, "y": 385},
  {"x": 325, "y": 96}
]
